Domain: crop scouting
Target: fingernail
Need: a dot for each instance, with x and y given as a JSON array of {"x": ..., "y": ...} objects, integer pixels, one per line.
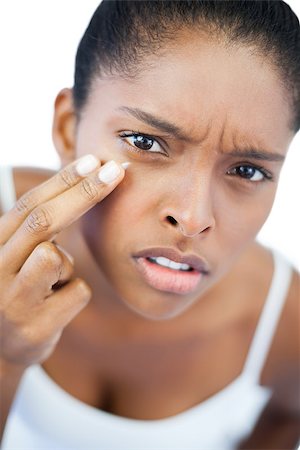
[
  {"x": 109, "y": 172},
  {"x": 86, "y": 165},
  {"x": 125, "y": 165}
]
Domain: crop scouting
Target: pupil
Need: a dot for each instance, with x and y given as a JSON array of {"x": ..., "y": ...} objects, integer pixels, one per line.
[
  {"x": 143, "y": 142},
  {"x": 246, "y": 171}
]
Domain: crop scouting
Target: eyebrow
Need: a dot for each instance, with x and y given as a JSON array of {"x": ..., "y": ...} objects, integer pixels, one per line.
[
  {"x": 156, "y": 122},
  {"x": 170, "y": 128},
  {"x": 257, "y": 154}
]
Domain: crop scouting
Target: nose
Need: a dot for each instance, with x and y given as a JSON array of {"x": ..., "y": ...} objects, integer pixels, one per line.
[{"x": 192, "y": 212}]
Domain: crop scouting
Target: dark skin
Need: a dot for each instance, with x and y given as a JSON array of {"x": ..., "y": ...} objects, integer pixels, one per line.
[
  {"x": 100, "y": 384},
  {"x": 136, "y": 355}
]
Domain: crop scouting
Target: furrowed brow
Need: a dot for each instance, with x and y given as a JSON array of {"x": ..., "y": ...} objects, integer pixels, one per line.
[
  {"x": 170, "y": 128},
  {"x": 156, "y": 122},
  {"x": 258, "y": 154}
]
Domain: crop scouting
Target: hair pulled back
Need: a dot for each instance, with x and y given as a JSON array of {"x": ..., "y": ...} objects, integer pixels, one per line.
[{"x": 122, "y": 33}]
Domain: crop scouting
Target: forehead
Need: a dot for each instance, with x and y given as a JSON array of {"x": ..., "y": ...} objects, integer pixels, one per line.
[{"x": 198, "y": 85}]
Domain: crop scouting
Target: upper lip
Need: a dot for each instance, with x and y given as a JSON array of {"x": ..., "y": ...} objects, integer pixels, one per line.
[{"x": 194, "y": 261}]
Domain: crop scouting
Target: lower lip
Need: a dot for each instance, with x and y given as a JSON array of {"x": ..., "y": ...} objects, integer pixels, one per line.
[{"x": 168, "y": 280}]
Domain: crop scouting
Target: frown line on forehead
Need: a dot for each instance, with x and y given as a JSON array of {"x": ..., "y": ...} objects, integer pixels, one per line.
[
  {"x": 173, "y": 129},
  {"x": 157, "y": 122},
  {"x": 258, "y": 154}
]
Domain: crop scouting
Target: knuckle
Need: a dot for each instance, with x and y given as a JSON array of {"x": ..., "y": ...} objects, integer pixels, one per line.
[
  {"x": 89, "y": 189},
  {"x": 67, "y": 177},
  {"x": 24, "y": 204},
  {"x": 38, "y": 221},
  {"x": 83, "y": 288},
  {"x": 68, "y": 256},
  {"x": 49, "y": 256}
]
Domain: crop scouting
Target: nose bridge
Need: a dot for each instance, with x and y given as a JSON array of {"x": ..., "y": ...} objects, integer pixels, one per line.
[
  {"x": 197, "y": 194},
  {"x": 192, "y": 204}
]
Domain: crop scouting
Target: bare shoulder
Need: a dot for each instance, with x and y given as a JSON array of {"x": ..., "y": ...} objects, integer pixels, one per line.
[
  {"x": 286, "y": 396},
  {"x": 282, "y": 368},
  {"x": 279, "y": 422},
  {"x": 26, "y": 178}
]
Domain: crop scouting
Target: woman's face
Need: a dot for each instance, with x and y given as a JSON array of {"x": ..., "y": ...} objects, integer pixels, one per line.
[{"x": 206, "y": 130}]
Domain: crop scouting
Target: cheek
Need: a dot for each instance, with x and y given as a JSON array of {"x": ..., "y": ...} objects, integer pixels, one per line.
[
  {"x": 93, "y": 137},
  {"x": 240, "y": 219},
  {"x": 121, "y": 216},
  {"x": 130, "y": 215}
]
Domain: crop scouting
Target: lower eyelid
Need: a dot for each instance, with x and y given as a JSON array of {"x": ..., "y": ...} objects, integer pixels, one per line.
[
  {"x": 267, "y": 176},
  {"x": 137, "y": 152},
  {"x": 124, "y": 137}
]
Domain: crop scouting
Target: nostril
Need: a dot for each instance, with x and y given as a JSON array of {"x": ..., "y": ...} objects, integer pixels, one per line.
[{"x": 172, "y": 220}]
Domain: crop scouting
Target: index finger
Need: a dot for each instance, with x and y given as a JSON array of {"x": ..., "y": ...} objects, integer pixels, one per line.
[
  {"x": 48, "y": 219},
  {"x": 66, "y": 178}
]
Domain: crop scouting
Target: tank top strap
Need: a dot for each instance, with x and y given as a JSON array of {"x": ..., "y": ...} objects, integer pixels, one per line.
[
  {"x": 269, "y": 317},
  {"x": 7, "y": 188}
]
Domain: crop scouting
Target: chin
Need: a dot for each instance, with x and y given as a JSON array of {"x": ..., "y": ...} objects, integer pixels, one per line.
[
  {"x": 154, "y": 315},
  {"x": 156, "y": 307}
]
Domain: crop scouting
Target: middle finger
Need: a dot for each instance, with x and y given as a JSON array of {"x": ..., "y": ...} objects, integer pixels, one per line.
[
  {"x": 58, "y": 213},
  {"x": 63, "y": 180}
]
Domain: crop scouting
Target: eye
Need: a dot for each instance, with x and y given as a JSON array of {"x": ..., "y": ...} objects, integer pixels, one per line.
[
  {"x": 251, "y": 173},
  {"x": 142, "y": 142}
]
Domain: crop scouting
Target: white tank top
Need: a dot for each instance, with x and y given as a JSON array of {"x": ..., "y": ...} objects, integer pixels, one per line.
[{"x": 45, "y": 417}]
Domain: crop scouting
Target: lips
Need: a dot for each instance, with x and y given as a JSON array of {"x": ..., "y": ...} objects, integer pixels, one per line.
[
  {"x": 194, "y": 261},
  {"x": 166, "y": 278}
]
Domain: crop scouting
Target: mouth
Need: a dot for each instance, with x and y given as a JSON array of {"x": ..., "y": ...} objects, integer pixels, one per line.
[{"x": 169, "y": 271}]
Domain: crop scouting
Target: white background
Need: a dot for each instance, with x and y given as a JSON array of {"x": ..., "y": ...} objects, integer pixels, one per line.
[{"x": 38, "y": 43}]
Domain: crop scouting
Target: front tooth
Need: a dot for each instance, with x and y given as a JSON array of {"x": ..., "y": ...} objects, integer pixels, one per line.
[
  {"x": 163, "y": 261},
  {"x": 174, "y": 265}
]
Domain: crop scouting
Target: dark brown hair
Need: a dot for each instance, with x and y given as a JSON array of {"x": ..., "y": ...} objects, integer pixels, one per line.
[{"x": 123, "y": 33}]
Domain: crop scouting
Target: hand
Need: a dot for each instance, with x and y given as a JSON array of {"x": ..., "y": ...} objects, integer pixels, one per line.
[{"x": 32, "y": 313}]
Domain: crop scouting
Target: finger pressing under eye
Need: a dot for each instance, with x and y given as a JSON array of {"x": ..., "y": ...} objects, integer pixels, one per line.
[
  {"x": 63, "y": 180},
  {"x": 51, "y": 217}
]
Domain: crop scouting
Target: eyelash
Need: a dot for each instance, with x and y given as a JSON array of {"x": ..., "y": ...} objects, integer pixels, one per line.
[
  {"x": 140, "y": 150},
  {"x": 267, "y": 176}
]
